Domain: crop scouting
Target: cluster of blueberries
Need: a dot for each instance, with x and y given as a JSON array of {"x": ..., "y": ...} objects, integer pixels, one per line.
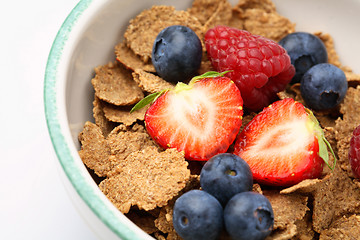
[
  {"x": 323, "y": 85},
  {"x": 226, "y": 202}
]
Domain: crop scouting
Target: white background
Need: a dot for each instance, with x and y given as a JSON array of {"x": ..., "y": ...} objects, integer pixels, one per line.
[{"x": 33, "y": 200}]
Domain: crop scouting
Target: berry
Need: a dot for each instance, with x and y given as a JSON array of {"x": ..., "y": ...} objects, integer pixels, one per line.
[
  {"x": 225, "y": 175},
  {"x": 354, "y": 152},
  {"x": 248, "y": 216},
  {"x": 283, "y": 144},
  {"x": 176, "y": 53},
  {"x": 305, "y": 51},
  {"x": 201, "y": 118},
  {"x": 323, "y": 86},
  {"x": 259, "y": 66},
  {"x": 198, "y": 215}
]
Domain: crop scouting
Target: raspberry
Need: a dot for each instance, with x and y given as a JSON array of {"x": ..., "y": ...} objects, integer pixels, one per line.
[
  {"x": 259, "y": 66},
  {"x": 354, "y": 152}
]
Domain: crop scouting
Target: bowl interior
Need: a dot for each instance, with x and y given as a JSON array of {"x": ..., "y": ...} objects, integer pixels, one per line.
[{"x": 87, "y": 40}]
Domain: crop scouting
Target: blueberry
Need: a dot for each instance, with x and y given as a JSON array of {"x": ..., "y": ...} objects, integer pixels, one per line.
[
  {"x": 305, "y": 50},
  {"x": 197, "y": 215},
  {"x": 225, "y": 175},
  {"x": 248, "y": 216},
  {"x": 176, "y": 53},
  {"x": 323, "y": 86}
]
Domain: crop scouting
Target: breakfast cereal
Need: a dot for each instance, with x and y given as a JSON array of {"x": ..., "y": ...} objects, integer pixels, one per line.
[
  {"x": 143, "y": 181},
  {"x": 261, "y": 18},
  {"x": 288, "y": 209},
  {"x": 149, "y": 82},
  {"x": 95, "y": 151},
  {"x": 345, "y": 228},
  {"x": 266, "y": 5},
  {"x": 142, "y": 172},
  {"x": 143, "y": 25},
  {"x": 130, "y": 60},
  {"x": 124, "y": 140},
  {"x": 114, "y": 84},
  {"x": 217, "y": 12},
  {"x": 104, "y": 124},
  {"x": 121, "y": 114}
]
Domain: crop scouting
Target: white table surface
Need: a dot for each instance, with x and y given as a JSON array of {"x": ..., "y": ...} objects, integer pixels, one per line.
[{"x": 33, "y": 201}]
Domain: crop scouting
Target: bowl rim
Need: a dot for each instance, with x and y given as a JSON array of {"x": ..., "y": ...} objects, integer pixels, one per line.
[{"x": 59, "y": 129}]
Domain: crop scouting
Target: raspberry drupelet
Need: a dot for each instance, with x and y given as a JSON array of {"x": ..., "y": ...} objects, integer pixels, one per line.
[{"x": 259, "y": 66}]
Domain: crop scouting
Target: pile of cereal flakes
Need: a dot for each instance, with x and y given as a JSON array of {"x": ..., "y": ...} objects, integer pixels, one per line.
[{"x": 143, "y": 181}]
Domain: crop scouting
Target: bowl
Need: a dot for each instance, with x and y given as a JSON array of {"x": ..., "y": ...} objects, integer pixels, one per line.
[{"x": 87, "y": 39}]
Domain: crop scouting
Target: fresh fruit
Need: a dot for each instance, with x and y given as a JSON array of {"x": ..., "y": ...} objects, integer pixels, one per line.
[
  {"x": 176, "y": 53},
  {"x": 259, "y": 66},
  {"x": 225, "y": 175},
  {"x": 198, "y": 215},
  {"x": 305, "y": 51},
  {"x": 283, "y": 144},
  {"x": 354, "y": 152},
  {"x": 248, "y": 216},
  {"x": 323, "y": 86},
  {"x": 201, "y": 118}
]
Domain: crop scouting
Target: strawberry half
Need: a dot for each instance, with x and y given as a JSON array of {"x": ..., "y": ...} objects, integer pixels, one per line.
[
  {"x": 201, "y": 118},
  {"x": 283, "y": 144}
]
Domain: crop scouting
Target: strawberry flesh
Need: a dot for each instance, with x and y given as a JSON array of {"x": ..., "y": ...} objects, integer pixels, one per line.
[
  {"x": 281, "y": 145},
  {"x": 201, "y": 119}
]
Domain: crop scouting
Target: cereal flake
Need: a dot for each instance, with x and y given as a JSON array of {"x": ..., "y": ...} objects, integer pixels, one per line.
[
  {"x": 345, "y": 228},
  {"x": 143, "y": 25},
  {"x": 114, "y": 84},
  {"x": 143, "y": 219},
  {"x": 287, "y": 208},
  {"x": 98, "y": 113},
  {"x": 336, "y": 196},
  {"x": 94, "y": 150},
  {"x": 124, "y": 140},
  {"x": 121, "y": 114},
  {"x": 266, "y": 5},
  {"x": 205, "y": 9},
  {"x": 147, "y": 179},
  {"x": 130, "y": 60},
  {"x": 149, "y": 82},
  {"x": 270, "y": 25}
]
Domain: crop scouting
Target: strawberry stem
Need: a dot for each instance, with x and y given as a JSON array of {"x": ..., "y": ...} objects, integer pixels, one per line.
[{"x": 180, "y": 86}]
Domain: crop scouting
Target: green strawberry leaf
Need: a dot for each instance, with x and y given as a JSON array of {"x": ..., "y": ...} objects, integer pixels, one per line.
[
  {"x": 149, "y": 99},
  {"x": 323, "y": 143},
  {"x": 210, "y": 74}
]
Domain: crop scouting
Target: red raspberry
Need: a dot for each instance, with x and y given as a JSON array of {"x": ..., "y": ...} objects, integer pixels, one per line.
[
  {"x": 259, "y": 66},
  {"x": 354, "y": 152}
]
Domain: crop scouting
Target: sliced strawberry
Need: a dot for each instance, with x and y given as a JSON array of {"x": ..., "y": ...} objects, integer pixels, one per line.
[
  {"x": 283, "y": 144},
  {"x": 202, "y": 118}
]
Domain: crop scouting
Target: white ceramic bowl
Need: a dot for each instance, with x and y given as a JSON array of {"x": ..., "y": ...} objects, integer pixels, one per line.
[{"x": 87, "y": 39}]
